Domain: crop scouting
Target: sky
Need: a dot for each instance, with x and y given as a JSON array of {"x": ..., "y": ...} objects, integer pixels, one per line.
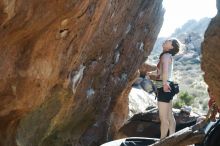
[{"x": 180, "y": 11}]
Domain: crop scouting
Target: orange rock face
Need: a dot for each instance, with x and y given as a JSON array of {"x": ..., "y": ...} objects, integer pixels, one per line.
[
  {"x": 66, "y": 67},
  {"x": 211, "y": 56}
]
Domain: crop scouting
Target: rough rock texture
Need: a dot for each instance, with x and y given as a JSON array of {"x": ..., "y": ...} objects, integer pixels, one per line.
[
  {"x": 211, "y": 55},
  {"x": 147, "y": 124},
  {"x": 146, "y": 68},
  {"x": 139, "y": 99},
  {"x": 66, "y": 67}
]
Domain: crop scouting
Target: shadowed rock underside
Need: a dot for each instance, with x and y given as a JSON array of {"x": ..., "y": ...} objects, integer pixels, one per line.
[{"x": 66, "y": 67}]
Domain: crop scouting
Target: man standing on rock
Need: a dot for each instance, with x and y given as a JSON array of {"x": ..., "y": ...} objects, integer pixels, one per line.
[{"x": 165, "y": 86}]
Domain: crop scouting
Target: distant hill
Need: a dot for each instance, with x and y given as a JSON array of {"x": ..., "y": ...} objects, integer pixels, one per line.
[
  {"x": 193, "y": 26},
  {"x": 187, "y": 70}
]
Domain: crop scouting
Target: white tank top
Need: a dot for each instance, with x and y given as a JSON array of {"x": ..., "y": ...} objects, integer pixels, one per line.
[{"x": 170, "y": 70}]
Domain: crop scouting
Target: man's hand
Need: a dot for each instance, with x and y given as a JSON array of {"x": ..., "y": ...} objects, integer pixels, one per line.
[{"x": 166, "y": 87}]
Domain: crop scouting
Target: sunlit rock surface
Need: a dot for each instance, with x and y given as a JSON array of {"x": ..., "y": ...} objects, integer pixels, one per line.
[
  {"x": 132, "y": 141},
  {"x": 139, "y": 100},
  {"x": 211, "y": 55},
  {"x": 66, "y": 67}
]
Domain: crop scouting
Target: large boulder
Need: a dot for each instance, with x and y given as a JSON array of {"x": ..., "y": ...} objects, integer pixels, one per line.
[
  {"x": 66, "y": 67},
  {"x": 147, "y": 124},
  {"x": 139, "y": 100},
  {"x": 211, "y": 55}
]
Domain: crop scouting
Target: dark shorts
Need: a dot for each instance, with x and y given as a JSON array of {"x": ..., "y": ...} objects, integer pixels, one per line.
[{"x": 164, "y": 96}]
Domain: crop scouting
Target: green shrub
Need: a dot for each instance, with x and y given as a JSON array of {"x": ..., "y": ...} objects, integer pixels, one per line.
[
  {"x": 183, "y": 99},
  {"x": 178, "y": 104},
  {"x": 186, "y": 98}
]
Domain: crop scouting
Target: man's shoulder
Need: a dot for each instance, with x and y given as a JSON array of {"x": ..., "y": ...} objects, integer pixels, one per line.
[{"x": 166, "y": 56}]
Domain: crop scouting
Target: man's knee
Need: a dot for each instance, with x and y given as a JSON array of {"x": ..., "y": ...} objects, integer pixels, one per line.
[
  {"x": 164, "y": 121},
  {"x": 172, "y": 121}
]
